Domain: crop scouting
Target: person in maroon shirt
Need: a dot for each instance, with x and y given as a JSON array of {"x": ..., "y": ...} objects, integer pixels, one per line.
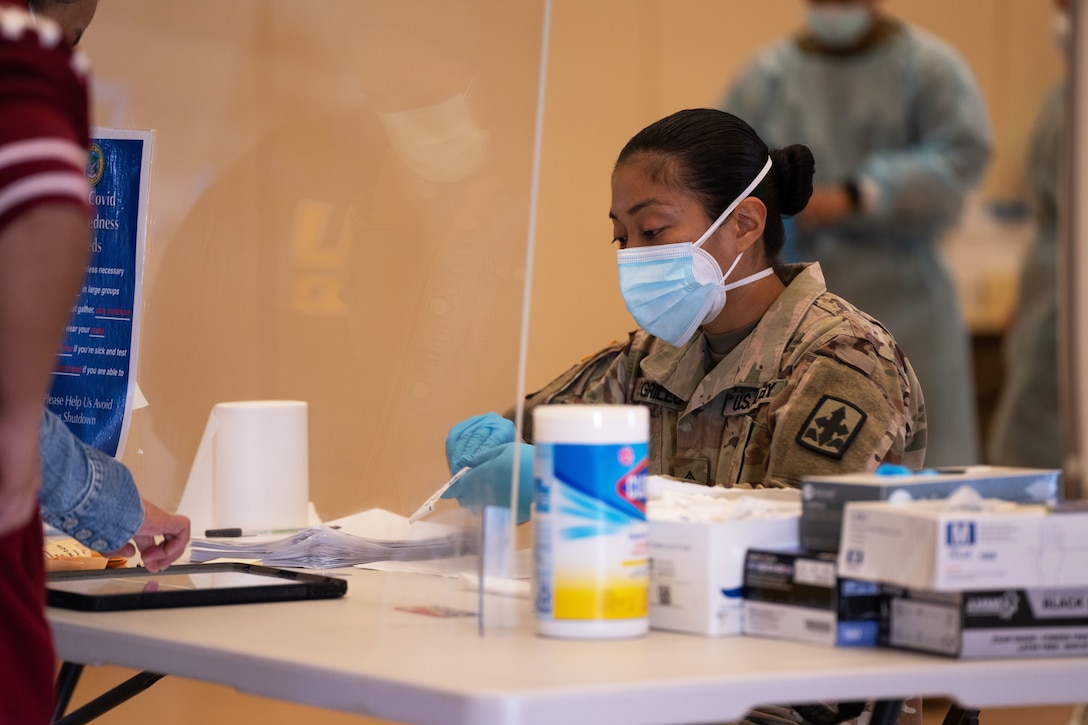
[
  {"x": 44, "y": 238},
  {"x": 43, "y": 252}
]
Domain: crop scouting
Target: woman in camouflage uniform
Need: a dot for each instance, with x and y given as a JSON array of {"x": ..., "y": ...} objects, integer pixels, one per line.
[
  {"x": 781, "y": 381},
  {"x": 753, "y": 377}
]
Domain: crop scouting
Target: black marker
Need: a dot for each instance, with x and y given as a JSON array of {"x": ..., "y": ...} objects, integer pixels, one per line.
[{"x": 229, "y": 533}]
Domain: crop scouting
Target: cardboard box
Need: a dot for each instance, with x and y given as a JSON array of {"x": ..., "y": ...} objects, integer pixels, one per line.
[
  {"x": 998, "y": 623},
  {"x": 798, "y": 595},
  {"x": 823, "y": 497},
  {"x": 697, "y": 569},
  {"x": 928, "y": 545}
]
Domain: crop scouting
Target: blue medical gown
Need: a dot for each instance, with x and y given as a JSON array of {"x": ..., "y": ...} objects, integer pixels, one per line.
[
  {"x": 906, "y": 118},
  {"x": 1027, "y": 425}
]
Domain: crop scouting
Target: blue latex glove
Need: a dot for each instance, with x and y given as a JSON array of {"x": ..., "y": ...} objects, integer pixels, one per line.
[
  {"x": 488, "y": 483},
  {"x": 895, "y": 469},
  {"x": 892, "y": 469},
  {"x": 475, "y": 436}
]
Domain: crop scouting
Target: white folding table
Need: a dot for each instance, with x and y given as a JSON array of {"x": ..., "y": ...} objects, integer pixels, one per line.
[{"x": 361, "y": 654}]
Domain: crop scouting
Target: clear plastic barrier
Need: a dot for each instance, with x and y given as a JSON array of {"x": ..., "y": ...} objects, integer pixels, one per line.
[{"x": 340, "y": 197}]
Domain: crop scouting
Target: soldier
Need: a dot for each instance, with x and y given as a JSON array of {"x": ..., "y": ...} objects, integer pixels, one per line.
[
  {"x": 782, "y": 380},
  {"x": 776, "y": 380}
]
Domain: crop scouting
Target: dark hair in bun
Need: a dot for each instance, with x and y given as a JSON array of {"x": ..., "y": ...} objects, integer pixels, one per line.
[{"x": 715, "y": 155}]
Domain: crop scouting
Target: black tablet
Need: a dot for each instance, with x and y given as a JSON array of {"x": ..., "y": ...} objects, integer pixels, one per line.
[{"x": 186, "y": 585}]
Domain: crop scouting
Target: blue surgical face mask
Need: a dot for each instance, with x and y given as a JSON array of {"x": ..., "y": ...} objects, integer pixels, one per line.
[
  {"x": 672, "y": 289},
  {"x": 838, "y": 26}
]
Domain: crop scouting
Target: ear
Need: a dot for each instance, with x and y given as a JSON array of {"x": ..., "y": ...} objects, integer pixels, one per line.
[{"x": 750, "y": 218}]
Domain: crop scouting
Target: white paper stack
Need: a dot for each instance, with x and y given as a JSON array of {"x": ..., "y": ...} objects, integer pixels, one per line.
[{"x": 373, "y": 535}]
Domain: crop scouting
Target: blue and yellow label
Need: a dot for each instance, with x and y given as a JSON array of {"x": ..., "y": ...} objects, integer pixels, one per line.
[{"x": 591, "y": 537}]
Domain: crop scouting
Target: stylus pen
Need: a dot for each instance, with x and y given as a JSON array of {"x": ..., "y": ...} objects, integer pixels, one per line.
[
  {"x": 235, "y": 532},
  {"x": 428, "y": 505}
]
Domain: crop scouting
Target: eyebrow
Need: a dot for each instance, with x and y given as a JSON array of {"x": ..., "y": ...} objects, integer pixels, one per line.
[{"x": 635, "y": 209}]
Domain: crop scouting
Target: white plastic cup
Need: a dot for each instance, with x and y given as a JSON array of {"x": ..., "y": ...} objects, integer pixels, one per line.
[{"x": 591, "y": 555}]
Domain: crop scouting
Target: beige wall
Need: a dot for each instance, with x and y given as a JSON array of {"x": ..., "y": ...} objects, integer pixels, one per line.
[
  {"x": 302, "y": 247},
  {"x": 620, "y": 65},
  {"x": 293, "y": 253}
]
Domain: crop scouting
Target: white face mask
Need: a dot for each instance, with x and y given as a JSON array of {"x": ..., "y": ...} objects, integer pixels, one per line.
[
  {"x": 839, "y": 26},
  {"x": 672, "y": 289},
  {"x": 441, "y": 142}
]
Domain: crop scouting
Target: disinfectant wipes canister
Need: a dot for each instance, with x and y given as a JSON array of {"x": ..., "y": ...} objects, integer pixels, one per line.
[{"x": 590, "y": 535}]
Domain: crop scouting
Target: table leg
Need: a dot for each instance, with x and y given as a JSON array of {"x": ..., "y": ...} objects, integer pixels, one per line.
[
  {"x": 886, "y": 712},
  {"x": 961, "y": 715},
  {"x": 107, "y": 700},
  {"x": 67, "y": 679}
]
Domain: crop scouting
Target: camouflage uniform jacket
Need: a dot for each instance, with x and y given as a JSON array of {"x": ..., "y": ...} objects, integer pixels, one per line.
[{"x": 818, "y": 387}]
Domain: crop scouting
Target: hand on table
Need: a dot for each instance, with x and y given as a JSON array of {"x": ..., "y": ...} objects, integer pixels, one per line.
[{"x": 174, "y": 531}]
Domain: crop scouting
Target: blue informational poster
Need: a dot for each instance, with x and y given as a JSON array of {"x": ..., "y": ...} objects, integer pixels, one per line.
[{"x": 94, "y": 380}]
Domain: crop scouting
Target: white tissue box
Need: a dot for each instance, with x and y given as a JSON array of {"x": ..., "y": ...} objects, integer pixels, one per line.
[
  {"x": 697, "y": 568},
  {"x": 928, "y": 545},
  {"x": 823, "y": 497}
]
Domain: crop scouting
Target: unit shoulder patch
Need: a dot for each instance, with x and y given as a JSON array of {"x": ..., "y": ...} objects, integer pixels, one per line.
[{"x": 831, "y": 427}]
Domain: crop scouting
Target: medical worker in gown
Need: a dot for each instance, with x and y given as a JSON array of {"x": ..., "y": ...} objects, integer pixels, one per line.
[{"x": 900, "y": 134}]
